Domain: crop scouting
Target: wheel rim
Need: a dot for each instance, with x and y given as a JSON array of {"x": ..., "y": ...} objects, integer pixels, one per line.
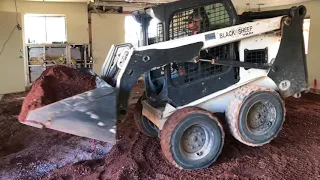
[
  {"x": 196, "y": 142},
  {"x": 261, "y": 117}
]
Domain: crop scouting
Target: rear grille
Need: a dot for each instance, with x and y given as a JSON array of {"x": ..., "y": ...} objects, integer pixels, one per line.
[
  {"x": 256, "y": 56},
  {"x": 195, "y": 21}
]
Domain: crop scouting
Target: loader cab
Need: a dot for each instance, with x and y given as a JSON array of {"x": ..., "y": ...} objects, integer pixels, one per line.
[{"x": 181, "y": 19}]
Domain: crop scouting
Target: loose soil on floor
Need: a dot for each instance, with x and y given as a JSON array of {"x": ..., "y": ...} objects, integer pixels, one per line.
[
  {"x": 294, "y": 154},
  {"x": 31, "y": 153}
]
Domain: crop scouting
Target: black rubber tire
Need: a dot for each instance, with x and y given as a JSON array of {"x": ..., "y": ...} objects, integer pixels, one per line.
[
  {"x": 175, "y": 127},
  {"x": 243, "y": 104},
  {"x": 143, "y": 124}
]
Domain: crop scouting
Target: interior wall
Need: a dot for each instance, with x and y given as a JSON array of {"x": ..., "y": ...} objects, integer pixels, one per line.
[
  {"x": 107, "y": 29},
  {"x": 240, "y": 10},
  {"x": 76, "y": 27},
  {"x": 314, "y": 39},
  {"x": 11, "y": 60},
  {"x": 76, "y": 15}
]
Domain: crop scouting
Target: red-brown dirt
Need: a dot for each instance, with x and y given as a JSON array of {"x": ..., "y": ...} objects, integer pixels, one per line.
[
  {"x": 294, "y": 154},
  {"x": 54, "y": 84},
  {"x": 29, "y": 153}
]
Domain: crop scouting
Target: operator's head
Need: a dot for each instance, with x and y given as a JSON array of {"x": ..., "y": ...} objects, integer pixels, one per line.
[{"x": 194, "y": 21}]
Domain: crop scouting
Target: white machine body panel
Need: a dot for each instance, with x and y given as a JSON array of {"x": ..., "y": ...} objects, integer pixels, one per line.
[
  {"x": 251, "y": 36},
  {"x": 270, "y": 41},
  {"x": 222, "y": 36},
  {"x": 213, "y": 38}
]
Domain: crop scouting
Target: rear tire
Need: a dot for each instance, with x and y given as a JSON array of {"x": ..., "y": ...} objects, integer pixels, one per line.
[
  {"x": 144, "y": 125},
  {"x": 256, "y": 115},
  {"x": 192, "y": 138}
]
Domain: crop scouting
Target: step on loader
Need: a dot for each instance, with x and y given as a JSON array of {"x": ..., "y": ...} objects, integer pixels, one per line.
[{"x": 198, "y": 58}]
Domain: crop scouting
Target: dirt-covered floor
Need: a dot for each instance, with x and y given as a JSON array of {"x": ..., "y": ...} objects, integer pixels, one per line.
[{"x": 30, "y": 153}]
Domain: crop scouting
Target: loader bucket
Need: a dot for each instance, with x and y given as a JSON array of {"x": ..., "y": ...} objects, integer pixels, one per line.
[{"x": 91, "y": 114}]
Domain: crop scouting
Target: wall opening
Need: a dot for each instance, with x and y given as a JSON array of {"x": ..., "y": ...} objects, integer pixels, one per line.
[
  {"x": 306, "y": 29},
  {"x": 132, "y": 31}
]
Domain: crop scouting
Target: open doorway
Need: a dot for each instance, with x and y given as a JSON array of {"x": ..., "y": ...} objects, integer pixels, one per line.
[
  {"x": 132, "y": 31},
  {"x": 306, "y": 29}
]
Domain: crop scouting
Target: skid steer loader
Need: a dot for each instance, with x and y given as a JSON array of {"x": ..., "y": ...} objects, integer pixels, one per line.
[{"x": 198, "y": 58}]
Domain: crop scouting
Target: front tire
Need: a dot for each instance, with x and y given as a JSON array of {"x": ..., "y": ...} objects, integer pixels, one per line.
[
  {"x": 144, "y": 125},
  {"x": 192, "y": 138}
]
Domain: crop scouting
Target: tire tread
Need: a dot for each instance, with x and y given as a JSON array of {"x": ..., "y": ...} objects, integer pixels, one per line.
[
  {"x": 233, "y": 110},
  {"x": 173, "y": 121}
]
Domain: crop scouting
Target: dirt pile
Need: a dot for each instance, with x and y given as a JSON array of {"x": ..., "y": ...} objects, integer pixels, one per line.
[
  {"x": 29, "y": 153},
  {"x": 294, "y": 154},
  {"x": 54, "y": 84}
]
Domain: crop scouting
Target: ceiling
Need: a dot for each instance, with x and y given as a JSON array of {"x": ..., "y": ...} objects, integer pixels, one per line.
[
  {"x": 265, "y": 3},
  {"x": 237, "y": 3}
]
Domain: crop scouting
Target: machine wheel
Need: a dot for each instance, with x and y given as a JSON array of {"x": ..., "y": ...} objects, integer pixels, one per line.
[
  {"x": 256, "y": 115},
  {"x": 192, "y": 138},
  {"x": 144, "y": 124}
]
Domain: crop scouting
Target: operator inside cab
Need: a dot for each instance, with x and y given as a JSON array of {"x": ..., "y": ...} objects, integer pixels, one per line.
[{"x": 194, "y": 22}]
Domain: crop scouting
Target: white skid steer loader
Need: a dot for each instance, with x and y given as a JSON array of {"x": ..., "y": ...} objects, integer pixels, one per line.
[{"x": 203, "y": 59}]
